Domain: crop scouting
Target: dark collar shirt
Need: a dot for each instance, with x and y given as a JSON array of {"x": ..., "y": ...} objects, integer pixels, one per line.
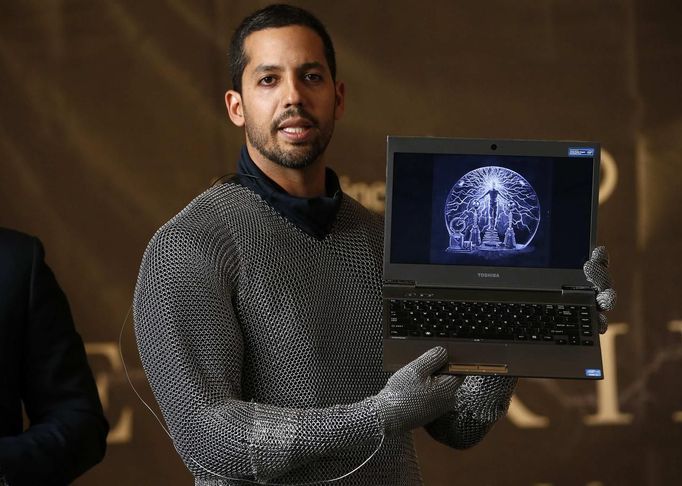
[{"x": 314, "y": 215}]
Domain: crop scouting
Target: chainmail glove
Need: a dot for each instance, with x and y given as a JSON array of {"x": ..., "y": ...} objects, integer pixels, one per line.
[
  {"x": 597, "y": 273},
  {"x": 479, "y": 403},
  {"x": 413, "y": 396}
]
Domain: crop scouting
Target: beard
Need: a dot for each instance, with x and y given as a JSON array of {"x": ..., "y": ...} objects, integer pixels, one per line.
[{"x": 293, "y": 155}]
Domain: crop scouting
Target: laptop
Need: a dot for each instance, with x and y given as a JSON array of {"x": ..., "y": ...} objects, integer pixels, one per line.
[{"x": 484, "y": 246}]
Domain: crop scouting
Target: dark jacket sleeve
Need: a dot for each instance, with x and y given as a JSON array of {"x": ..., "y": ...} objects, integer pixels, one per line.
[{"x": 67, "y": 432}]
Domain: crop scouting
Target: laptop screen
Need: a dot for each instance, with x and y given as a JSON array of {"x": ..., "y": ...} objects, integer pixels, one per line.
[{"x": 491, "y": 210}]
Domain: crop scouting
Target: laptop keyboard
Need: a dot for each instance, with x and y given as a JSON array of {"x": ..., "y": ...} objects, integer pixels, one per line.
[{"x": 535, "y": 323}]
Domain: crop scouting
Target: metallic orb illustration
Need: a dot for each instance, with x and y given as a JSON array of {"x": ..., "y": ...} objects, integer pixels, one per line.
[{"x": 491, "y": 209}]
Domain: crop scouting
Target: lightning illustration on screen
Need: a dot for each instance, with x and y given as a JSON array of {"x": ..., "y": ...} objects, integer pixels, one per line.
[{"x": 491, "y": 209}]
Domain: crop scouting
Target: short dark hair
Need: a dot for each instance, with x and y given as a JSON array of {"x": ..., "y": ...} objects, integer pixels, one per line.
[{"x": 273, "y": 16}]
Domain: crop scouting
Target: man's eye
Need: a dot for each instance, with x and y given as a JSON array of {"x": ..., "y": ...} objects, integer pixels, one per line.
[
  {"x": 267, "y": 80},
  {"x": 313, "y": 77}
]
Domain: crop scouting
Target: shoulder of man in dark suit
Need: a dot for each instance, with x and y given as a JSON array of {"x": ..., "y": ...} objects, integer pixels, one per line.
[
  {"x": 16, "y": 259},
  {"x": 48, "y": 373}
]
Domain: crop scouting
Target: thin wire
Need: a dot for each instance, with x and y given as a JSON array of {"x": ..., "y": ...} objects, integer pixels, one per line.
[
  {"x": 297, "y": 484},
  {"x": 125, "y": 368}
]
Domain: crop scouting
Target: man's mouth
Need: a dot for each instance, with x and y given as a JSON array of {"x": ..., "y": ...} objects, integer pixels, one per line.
[{"x": 296, "y": 129}]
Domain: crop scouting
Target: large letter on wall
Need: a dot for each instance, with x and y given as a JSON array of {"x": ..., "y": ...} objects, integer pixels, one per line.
[
  {"x": 523, "y": 417},
  {"x": 122, "y": 431},
  {"x": 608, "y": 411},
  {"x": 676, "y": 326}
]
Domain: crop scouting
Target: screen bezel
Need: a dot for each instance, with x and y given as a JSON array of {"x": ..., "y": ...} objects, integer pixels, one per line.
[{"x": 438, "y": 275}]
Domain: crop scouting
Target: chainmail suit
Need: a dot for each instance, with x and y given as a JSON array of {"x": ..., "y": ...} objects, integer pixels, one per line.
[{"x": 263, "y": 348}]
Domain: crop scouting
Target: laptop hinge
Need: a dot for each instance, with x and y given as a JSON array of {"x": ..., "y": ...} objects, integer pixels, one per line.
[
  {"x": 576, "y": 289},
  {"x": 402, "y": 283}
]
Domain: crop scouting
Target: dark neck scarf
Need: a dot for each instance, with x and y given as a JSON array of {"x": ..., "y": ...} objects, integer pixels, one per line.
[{"x": 314, "y": 215}]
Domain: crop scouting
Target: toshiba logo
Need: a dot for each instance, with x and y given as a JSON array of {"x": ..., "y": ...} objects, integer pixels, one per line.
[{"x": 488, "y": 275}]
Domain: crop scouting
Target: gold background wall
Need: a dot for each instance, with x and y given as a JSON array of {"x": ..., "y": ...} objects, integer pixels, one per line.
[{"x": 112, "y": 119}]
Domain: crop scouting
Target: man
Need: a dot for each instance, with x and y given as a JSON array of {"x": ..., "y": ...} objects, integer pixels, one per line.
[
  {"x": 44, "y": 367},
  {"x": 258, "y": 307}
]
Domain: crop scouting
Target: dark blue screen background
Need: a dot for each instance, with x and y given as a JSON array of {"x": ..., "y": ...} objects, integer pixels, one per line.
[{"x": 421, "y": 183}]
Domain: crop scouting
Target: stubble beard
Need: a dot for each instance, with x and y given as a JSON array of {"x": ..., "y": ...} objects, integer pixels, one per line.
[{"x": 303, "y": 154}]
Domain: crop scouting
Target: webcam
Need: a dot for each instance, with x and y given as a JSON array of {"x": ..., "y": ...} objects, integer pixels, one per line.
[{"x": 493, "y": 146}]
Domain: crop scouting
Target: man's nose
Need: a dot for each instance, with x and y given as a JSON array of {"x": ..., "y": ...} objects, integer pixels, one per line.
[{"x": 293, "y": 95}]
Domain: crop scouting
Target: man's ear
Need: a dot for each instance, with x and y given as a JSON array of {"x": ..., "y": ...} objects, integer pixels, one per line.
[
  {"x": 340, "y": 99},
  {"x": 233, "y": 102}
]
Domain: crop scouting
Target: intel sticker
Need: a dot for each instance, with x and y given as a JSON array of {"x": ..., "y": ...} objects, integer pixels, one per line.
[
  {"x": 593, "y": 372},
  {"x": 581, "y": 152}
]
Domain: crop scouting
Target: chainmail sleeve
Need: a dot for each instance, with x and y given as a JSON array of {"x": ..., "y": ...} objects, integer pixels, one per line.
[
  {"x": 480, "y": 402},
  {"x": 192, "y": 350}
]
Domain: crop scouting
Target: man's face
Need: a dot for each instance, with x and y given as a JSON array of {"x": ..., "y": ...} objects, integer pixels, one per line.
[{"x": 289, "y": 101}]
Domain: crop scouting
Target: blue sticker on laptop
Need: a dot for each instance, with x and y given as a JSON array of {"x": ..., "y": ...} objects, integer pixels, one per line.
[
  {"x": 581, "y": 152},
  {"x": 593, "y": 372}
]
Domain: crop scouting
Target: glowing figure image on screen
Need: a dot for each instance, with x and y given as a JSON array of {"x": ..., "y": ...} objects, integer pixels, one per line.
[{"x": 491, "y": 209}]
